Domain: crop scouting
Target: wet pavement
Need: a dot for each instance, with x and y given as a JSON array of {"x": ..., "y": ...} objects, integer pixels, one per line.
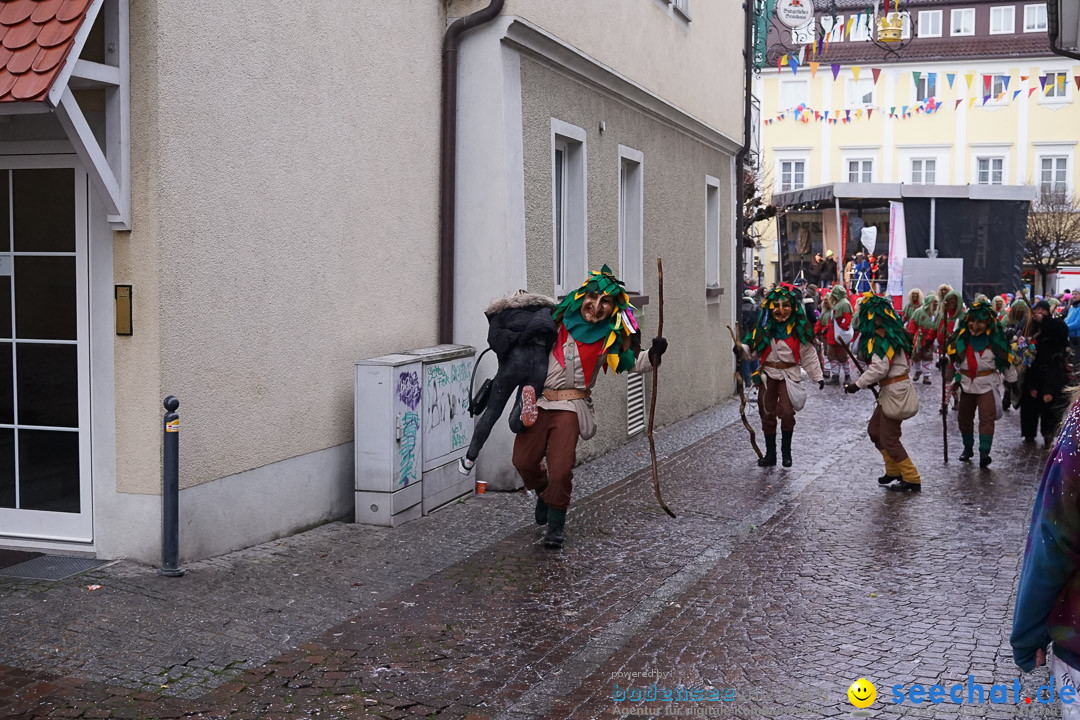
[{"x": 774, "y": 588}]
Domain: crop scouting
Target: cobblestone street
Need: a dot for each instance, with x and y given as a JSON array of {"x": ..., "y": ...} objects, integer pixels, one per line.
[{"x": 779, "y": 587}]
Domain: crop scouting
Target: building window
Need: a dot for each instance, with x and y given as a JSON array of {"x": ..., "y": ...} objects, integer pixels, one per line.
[
  {"x": 1054, "y": 175},
  {"x": 927, "y": 87},
  {"x": 1002, "y": 20},
  {"x": 631, "y": 218},
  {"x": 994, "y": 85},
  {"x": 929, "y": 23},
  {"x": 1057, "y": 85},
  {"x": 792, "y": 175},
  {"x": 860, "y": 30},
  {"x": 990, "y": 170},
  {"x": 834, "y": 31},
  {"x": 860, "y": 171},
  {"x": 712, "y": 232},
  {"x": 1035, "y": 18},
  {"x": 793, "y": 93},
  {"x": 568, "y": 205},
  {"x": 860, "y": 92},
  {"x": 924, "y": 171},
  {"x": 683, "y": 6},
  {"x": 962, "y": 22}
]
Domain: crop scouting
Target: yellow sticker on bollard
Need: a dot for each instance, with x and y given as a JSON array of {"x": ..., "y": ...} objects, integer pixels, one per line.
[{"x": 172, "y": 426}]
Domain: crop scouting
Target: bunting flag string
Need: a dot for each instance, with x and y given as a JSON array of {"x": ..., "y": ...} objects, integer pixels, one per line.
[
  {"x": 951, "y": 77},
  {"x": 877, "y": 74},
  {"x": 813, "y": 68}
]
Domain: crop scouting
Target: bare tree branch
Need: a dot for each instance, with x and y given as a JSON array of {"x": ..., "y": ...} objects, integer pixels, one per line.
[{"x": 1053, "y": 232}]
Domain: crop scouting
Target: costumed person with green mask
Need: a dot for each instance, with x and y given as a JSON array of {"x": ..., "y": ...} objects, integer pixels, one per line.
[
  {"x": 782, "y": 340},
  {"x": 980, "y": 353},
  {"x": 920, "y": 330},
  {"x": 884, "y": 344},
  {"x": 596, "y": 328},
  {"x": 834, "y": 328}
]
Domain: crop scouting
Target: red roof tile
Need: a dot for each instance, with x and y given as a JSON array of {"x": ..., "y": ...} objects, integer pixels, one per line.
[{"x": 36, "y": 36}]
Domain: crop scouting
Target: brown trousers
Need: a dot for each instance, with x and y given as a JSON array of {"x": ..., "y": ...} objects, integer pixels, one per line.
[
  {"x": 554, "y": 436},
  {"x": 773, "y": 403},
  {"x": 885, "y": 432},
  {"x": 966, "y": 412}
]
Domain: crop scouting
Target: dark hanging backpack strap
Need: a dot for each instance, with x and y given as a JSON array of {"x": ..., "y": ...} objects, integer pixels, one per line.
[{"x": 479, "y": 400}]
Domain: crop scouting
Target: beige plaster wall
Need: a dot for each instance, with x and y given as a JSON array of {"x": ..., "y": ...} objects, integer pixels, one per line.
[
  {"x": 285, "y": 222},
  {"x": 694, "y": 65},
  {"x": 697, "y": 369}
]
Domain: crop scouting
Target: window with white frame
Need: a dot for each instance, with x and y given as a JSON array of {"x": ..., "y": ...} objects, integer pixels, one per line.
[
  {"x": 1035, "y": 18},
  {"x": 712, "y": 232},
  {"x": 962, "y": 21},
  {"x": 1003, "y": 20},
  {"x": 924, "y": 171},
  {"x": 929, "y": 23},
  {"x": 792, "y": 175},
  {"x": 683, "y": 6},
  {"x": 926, "y": 87},
  {"x": 860, "y": 29},
  {"x": 905, "y": 29},
  {"x": 995, "y": 86},
  {"x": 833, "y": 30},
  {"x": 990, "y": 170},
  {"x": 861, "y": 170},
  {"x": 1057, "y": 85},
  {"x": 860, "y": 92},
  {"x": 793, "y": 93},
  {"x": 568, "y": 204},
  {"x": 1054, "y": 174},
  {"x": 631, "y": 219}
]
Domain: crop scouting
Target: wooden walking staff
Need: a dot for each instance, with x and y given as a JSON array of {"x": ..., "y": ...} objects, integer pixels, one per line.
[
  {"x": 858, "y": 367},
  {"x": 655, "y": 375}
]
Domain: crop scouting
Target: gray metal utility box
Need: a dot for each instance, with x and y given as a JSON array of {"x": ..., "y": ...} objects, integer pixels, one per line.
[{"x": 411, "y": 423}]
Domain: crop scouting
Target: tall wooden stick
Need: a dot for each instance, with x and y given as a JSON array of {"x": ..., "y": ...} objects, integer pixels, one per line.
[{"x": 652, "y": 404}]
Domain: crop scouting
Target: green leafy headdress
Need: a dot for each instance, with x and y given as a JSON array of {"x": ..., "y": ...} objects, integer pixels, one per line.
[
  {"x": 767, "y": 328},
  {"x": 840, "y": 304},
  {"x": 876, "y": 311},
  {"x": 995, "y": 336},
  {"x": 620, "y": 332}
]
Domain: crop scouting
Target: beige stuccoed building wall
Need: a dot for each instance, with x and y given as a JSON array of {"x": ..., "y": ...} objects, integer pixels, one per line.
[
  {"x": 695, "y": 65},
  {"x": 265, "y": 255}
]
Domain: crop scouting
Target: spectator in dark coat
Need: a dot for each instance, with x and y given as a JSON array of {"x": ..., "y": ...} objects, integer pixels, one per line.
[{"x": 1043, "y": 398}]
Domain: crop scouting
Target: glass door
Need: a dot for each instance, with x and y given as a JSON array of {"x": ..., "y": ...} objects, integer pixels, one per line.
[{"x": 44, "y": 351}]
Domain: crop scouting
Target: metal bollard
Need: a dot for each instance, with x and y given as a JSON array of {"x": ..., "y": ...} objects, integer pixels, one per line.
[{"x": 170, "y": 492}]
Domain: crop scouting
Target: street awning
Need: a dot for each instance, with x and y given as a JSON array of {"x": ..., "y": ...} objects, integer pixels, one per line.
[{"x": 866, "y": 195}]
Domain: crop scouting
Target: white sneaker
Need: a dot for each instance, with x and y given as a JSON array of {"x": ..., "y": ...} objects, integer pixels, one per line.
[{"x": 465, "y": 466}]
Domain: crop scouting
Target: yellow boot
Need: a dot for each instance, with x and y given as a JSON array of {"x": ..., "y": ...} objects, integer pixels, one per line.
[
  {"x": 892, "y": 470},
  {"x": 909, "y": 477}
]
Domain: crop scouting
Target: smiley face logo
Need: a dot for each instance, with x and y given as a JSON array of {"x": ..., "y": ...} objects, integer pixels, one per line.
[{"x": 862, "y": 693}]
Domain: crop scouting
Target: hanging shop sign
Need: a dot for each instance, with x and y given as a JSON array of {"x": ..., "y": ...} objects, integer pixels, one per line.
[{"x": 795, "y": 13}]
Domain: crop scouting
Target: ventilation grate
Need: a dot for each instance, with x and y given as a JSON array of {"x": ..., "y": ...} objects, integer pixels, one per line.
[
  {"x": 50, "y": 567},
  {"x": 635, "y": 404}
]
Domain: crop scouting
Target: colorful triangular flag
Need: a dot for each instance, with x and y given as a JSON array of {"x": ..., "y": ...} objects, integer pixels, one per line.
[
  {"x": 1042, "y": 82},
  {"x": 951, "y": 77},
  {"x": 1077, "y": 79},
  {"x": 957, "y": 105},
  {"x": 1005, "y": 81},
  {"x": 986, "y": 83},
  {"x": 1015, "y": 93},
  {"x": 835, "y": 71},
  {"x": 813, "y": 68},
  {"x": 869, "y": 112},
  {"x": 986, "y": 98},
  {"x": 877, "y": 74},
  {"x": 794, "y": 63},
  {"x": 969, "y": 77},
  {"x": 971, "y": 102},
  {"x": 855, "y": 70},
  {"x": 1061, "y": 82},
  {"x": 1031, "y": 90},
  {"x": 916, "y": 76}
]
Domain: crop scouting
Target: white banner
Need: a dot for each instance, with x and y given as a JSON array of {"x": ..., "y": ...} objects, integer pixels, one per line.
[{"x": 897, "y": 247}]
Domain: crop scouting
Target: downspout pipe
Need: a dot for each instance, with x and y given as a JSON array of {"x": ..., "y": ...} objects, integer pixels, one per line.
[
  {"x": 448, "y": 166},
  {"x": 740, "y": 156}
]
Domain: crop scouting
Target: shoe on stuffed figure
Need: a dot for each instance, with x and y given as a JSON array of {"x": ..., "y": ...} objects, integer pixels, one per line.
[
  {"x": 465, "y": 466},
  {"x": 904, "y": 486},
  {"x": 529, "y": 411},
  {"x": 886, "y": 479}
]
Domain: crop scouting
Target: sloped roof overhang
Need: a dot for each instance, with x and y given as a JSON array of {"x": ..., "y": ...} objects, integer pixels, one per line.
[{"x": 40, "y": 46}]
